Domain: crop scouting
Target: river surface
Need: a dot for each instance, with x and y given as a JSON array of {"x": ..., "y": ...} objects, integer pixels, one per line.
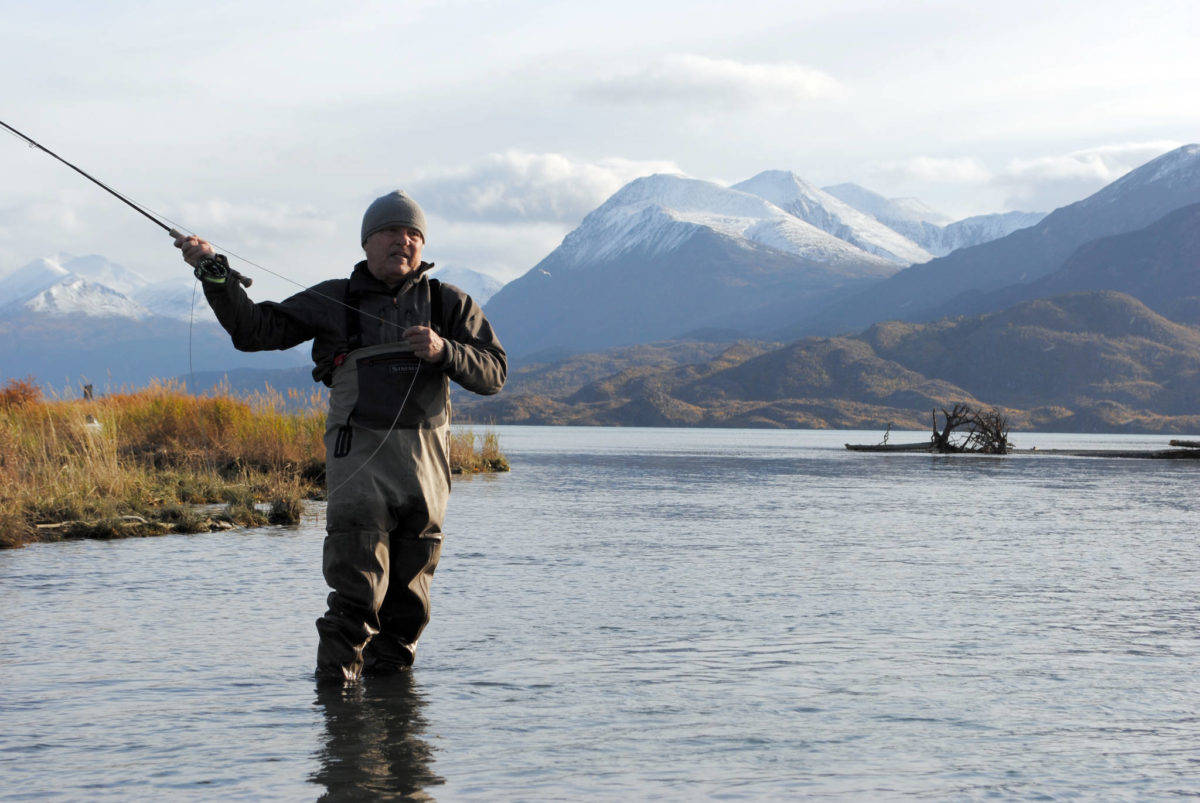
[{"x": 650, "y": 613}]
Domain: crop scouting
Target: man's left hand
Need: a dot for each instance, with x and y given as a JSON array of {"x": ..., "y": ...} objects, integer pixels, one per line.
[{"x": 425, "y": 342}]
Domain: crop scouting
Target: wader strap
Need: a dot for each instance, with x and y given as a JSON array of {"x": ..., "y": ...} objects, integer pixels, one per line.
[
  {"x": 435, "y": 307},
  {"x": 345, "y": 437},
  {"x": 354, "y": 319}
]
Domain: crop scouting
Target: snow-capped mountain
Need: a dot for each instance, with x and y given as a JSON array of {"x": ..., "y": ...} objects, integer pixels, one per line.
[
  {"x": 908, "y": 216},
  {"x": 1168, "y": 182},
  {"x": 478, "y": 286},
  {"x": 75, "y": 295},
  {"x": 61, "y": 322},
  {"x": 27, "y": 281},
  {"x": 934, "y": 231},
  {"x": 658, "y": 212},
  {"x": 666, "y": 255},
  {"x": 103, "y": 271},
  {"x": 982, "y": 229},
  {"x": 797, "y": 197},
  {"x": 95, "y": 287}
]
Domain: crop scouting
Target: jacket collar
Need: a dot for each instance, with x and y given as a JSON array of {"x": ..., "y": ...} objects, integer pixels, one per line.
[{"x": 362, "y": 282}]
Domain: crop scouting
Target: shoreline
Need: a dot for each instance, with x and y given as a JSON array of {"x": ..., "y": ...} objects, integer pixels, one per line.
[{"x": 158, "y": 461}]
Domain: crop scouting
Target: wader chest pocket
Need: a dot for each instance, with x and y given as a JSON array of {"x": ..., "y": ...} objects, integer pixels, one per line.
[{"x": 383, "y": 382}]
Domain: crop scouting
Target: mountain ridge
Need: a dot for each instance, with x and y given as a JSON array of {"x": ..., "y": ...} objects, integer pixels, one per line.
[
  {"x": 921, "y": 292},
  {"x": 797, "y": 197},
  {"x": 636, "y": 270}
]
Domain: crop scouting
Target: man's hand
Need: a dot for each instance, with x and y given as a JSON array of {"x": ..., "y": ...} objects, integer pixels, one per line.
[
  {"x": 425, "y": 343},
  {"x": 194, "y": 249}
]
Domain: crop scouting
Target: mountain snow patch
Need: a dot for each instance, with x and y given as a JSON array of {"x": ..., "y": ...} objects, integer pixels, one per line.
[
  {"x": 818, "y": 208},
  {"x": 78, "y": 296}
]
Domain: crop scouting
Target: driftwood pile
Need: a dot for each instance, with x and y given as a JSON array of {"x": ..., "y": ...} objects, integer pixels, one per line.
[
  {"x": 963, "y": 429},
  {"x": 967, "y": 430}
]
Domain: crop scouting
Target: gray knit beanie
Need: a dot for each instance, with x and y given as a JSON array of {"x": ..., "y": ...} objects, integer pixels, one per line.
[{"x": 393, "y": 209}]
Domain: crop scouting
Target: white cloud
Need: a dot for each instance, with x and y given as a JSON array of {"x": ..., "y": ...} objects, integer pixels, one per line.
[
  {"x": 502, "y": 250},
  {"x": 1104, "y": 163},
  {"x": 1047, "y": 182},
  {"x": 702, "y": 80},
  {"x": 257, "y": 224},
  {"x": 933, "y": 170},
  {"x": 533, "y": 187},
  {"x": 1038, "y": 183},
  {"x": 35, "y": 227}
]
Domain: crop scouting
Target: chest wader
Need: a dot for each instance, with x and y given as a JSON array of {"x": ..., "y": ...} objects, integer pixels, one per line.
[{"x": 387, "y": 467}]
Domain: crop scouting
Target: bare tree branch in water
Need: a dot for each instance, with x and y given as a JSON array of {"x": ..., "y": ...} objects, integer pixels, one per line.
[{"x": 965, "y": 429}]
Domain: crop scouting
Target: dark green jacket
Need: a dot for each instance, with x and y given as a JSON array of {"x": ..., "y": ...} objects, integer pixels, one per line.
[{"x": 473, "y": 358}]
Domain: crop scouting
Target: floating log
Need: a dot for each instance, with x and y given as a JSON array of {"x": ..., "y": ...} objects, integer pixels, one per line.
[
  {"x": 1187, "y": 444},
  {"x": 923, "y": 446},
  {"x": 1141, "y": 454}
]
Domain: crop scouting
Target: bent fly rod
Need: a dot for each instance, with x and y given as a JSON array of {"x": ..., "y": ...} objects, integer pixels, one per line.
[
  {"x": 158, "y": 220},
  {"x": 245, "y": 280}
]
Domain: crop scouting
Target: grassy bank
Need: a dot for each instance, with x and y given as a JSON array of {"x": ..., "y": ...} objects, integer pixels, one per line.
[{"x": 145, "y": 463}]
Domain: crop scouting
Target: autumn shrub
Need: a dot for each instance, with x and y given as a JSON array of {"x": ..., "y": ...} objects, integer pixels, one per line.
[{"x": 19, "y": 392}]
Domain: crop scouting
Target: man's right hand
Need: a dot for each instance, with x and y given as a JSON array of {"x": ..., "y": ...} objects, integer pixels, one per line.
[{"x": 194, "y": 249}]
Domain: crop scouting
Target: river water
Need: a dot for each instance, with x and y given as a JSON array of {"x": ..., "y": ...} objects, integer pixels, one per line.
[{"x": 650, "y": 613}]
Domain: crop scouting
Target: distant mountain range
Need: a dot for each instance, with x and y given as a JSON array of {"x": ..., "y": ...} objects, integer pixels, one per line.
[
  {"x": 933, "y": 231},
  {"x": 93, "y": 286},
  {"x": 70, "y": 320},
  {"x": 668, "y": 254},
  {"x": 1159, "y": 265},
  {"x": 1099, "y": 361}
]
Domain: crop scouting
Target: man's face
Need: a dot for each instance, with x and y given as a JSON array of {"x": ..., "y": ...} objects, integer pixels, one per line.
[{"x": 393, "y": 253}]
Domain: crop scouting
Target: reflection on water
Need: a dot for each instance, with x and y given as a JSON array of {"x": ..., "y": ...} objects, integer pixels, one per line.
[{"x": 373, "y": 747}]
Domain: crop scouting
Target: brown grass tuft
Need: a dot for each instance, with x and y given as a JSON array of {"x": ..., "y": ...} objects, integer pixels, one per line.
[{"x": 468, "y": 458}]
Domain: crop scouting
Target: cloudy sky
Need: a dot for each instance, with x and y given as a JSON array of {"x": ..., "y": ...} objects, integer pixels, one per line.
[{"x": 268, "y": 126}]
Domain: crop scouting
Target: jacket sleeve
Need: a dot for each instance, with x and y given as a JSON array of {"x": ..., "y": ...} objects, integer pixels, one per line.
[
  {"x": 474, "y": 357},
  {"x": 263, "y": 326}
]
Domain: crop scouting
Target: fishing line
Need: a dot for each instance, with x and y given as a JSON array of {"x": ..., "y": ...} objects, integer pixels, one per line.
[
  {"x": 191, "y": 321},
  {"x": 391, "y": 428}
]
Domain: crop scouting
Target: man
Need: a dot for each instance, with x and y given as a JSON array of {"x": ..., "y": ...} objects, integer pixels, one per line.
[{"x": 385, "y": 340}]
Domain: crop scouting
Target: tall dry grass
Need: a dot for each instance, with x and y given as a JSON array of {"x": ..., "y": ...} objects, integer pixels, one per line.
[
  {"x": 145, "y": 454},
  {"x": 472, "y": 454},
  {"x": 152, "y": 453}
]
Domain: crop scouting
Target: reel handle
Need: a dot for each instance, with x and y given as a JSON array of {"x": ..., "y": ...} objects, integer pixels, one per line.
[{"x": 244, "y": 281}]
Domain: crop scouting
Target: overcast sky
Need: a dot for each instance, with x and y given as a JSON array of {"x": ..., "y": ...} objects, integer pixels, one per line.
[{"x": 269, "y": 126}]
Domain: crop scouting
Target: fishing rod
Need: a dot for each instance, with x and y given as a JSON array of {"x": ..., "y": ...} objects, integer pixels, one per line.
[{"x": 208, "y": 263}]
